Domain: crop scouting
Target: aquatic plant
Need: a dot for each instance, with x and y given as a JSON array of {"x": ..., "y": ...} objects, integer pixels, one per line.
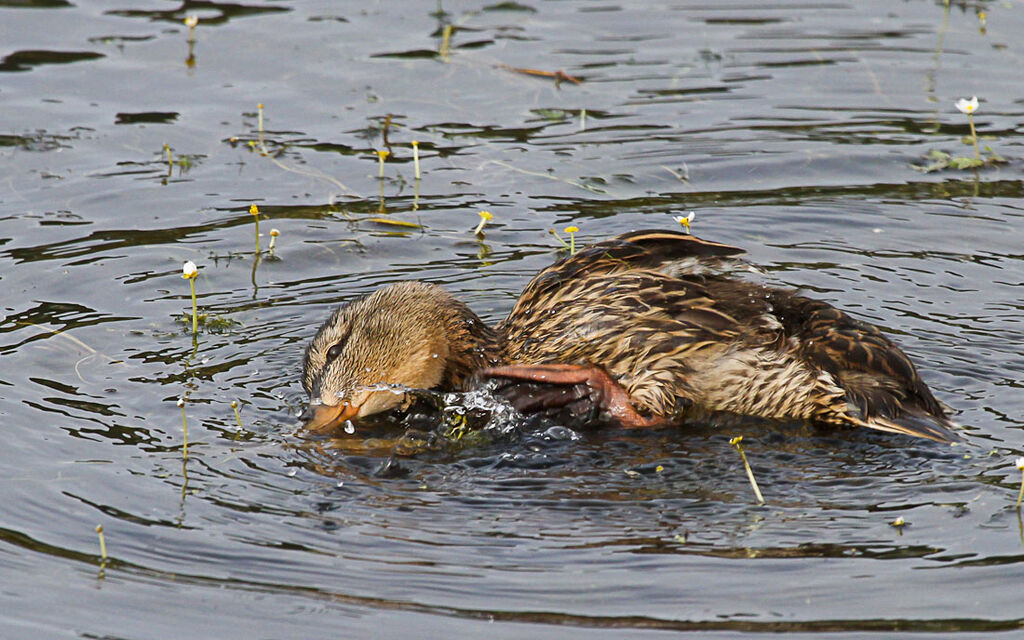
[
  {"x": 190, "y": 272},
  {"x": 485, "y": 217},
  {"x": 939, "y": 160},
  {"x": 184, "y": 428},
  {"x": 273, "y": 237},
  {"x": 564, "y": 244},
  {"x": 968, "y": 107},
  {"x": 238, "y": 417},
  {"x": 103, "y": 543},
  {"x": 191, "y": 21},
  {"x": 416, "y": 158},
  {"x": 381, "y": 156},
  {"x": 446, "y": 43},
  {"x": 685, "y": 221},
  {"x": 746, "y": 465},
  {"x": 1019, "y": 462},
  {"x": 259, "y": 126},
  {"x": 571, "y": 230},
  {"x": 255, "y": 211}
]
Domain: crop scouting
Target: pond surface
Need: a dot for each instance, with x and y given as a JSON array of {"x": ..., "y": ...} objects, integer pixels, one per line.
[{"x": 789, "y": 127}]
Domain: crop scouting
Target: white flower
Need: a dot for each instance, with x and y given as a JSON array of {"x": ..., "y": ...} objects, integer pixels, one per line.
[
  {"x": 191, "y": 21},
  {"x": 181, "y": 402},
  {"x": 685, "y": 220},
  {"x": 1019, "y": 462},
  {"x": 899, "y": 522},
  {"x": 967, "y": 106},
  {"x": 189, "y": 270}
]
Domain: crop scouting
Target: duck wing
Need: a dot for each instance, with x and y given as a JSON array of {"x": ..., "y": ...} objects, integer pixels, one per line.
[
  {"x": 672, "y": 252},
  {"x": 883, "y": 388}
]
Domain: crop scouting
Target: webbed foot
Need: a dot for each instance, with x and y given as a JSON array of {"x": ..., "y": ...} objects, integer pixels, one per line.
[{"x": 585, "y": 391}]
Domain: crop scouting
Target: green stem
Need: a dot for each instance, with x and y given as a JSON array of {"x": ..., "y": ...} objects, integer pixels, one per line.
[
  {"x": 257, "y": 219},
  {"x": 103, "y": 542},
  {"x": 974, "y": 136},
  {"x": 195, "y": 313},
  {"x": 750, "y": 474},
  {"x": 1020, "y": 495},
  {"x": 184, "y": 427}
]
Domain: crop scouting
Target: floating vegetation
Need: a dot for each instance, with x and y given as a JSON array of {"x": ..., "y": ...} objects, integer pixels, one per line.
[
  {"x": 395, "y": 223},
  {"x": 940, "y": 160},
  {"x": 212, "y": 323}
]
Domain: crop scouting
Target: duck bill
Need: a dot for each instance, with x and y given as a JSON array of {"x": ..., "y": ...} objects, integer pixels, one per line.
[{"x": 323, "y": 417}]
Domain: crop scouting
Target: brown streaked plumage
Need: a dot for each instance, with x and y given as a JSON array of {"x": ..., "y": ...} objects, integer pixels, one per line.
[{"x": 642, "y": 330}]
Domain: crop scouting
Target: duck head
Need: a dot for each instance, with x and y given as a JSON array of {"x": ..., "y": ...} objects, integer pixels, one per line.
[{"x": 409, "y": 335}]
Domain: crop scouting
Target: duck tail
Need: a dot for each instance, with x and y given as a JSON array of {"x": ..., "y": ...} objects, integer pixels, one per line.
[{"x": 939, "y": 429}]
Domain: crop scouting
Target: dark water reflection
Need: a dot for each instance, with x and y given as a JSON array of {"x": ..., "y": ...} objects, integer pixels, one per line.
[{"x": 790, "y": 129}]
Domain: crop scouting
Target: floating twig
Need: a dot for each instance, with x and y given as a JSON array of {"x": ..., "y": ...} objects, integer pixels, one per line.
[{"x": 558, "y": 76}]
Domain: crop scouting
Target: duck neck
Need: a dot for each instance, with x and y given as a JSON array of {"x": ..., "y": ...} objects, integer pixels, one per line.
[{"x": 473, "y": 345}]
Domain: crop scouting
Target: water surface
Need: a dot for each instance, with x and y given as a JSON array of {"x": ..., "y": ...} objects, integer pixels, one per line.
[{"x": 790, "y": 128}]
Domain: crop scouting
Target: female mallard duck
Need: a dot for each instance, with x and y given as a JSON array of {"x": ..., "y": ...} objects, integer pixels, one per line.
[{"x": 639, "y": 330}]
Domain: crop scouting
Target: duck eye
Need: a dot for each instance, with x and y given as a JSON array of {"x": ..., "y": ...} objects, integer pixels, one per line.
[{"x": 335, "y": 351}]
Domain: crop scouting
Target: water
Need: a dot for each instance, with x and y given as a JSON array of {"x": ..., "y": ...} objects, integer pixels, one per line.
[{"x": 789, "y": 128}]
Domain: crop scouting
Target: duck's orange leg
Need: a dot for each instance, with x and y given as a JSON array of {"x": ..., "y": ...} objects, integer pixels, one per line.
[{"x": 607, "y": 394}]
